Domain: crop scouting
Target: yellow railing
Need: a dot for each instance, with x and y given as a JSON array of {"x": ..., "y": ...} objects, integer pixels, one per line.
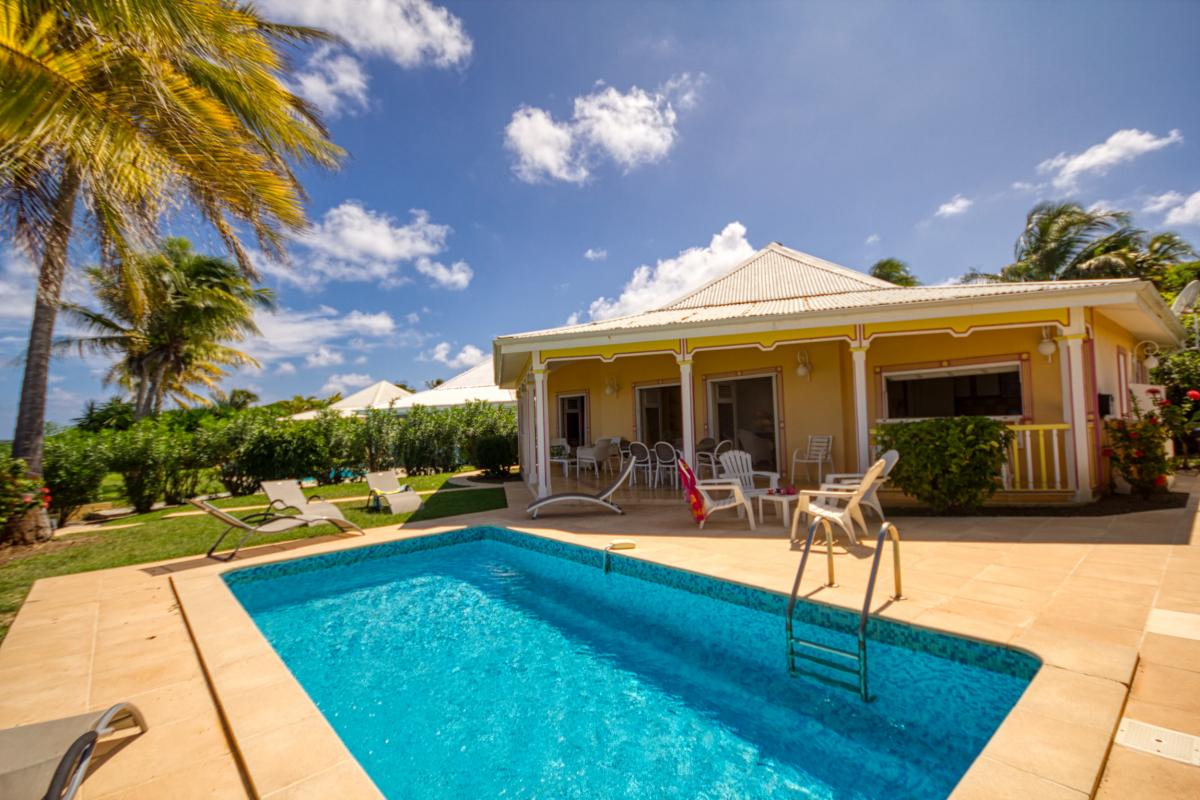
[{"x": 1037, "y": 458}]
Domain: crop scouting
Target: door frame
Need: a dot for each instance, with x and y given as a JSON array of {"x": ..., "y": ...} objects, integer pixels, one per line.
[
  {"x": 637, "y": 406},
  {"x": 710, "y": 401},
  {"x": 587, "y": 414}
]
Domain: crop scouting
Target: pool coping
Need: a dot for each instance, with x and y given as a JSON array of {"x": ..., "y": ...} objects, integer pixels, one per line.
[{"x": 288, "y": 748}]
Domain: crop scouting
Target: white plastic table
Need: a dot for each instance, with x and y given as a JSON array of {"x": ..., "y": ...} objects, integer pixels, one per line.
[{"x": 783, "y": 505}]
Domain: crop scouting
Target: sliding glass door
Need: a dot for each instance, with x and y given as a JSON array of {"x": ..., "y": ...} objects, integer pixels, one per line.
[
  {"x": 743, "y": 411},
  {"x": 660, "y": 415}
]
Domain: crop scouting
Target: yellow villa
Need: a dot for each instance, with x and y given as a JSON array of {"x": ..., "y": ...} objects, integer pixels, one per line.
[{"x": 786, "y": 345}]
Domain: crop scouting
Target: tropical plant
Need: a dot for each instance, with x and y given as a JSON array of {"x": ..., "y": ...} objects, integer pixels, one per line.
[
  {"x": 893, "y": 270},
  {"x": 143, "y": 455},
  {"x": 952, "y": 464},
  {"x": 236, "y": 400},
  {"x": 18, "y": 494},
  {"x": 113, "y": 414},
  {"x": 75, "y": 464},
  {"x": 495, "y": 453},
  {"x": 167, "y": 318},
  {"x": 123, "y": 110},
  {"x": 1137, "y": 447}
]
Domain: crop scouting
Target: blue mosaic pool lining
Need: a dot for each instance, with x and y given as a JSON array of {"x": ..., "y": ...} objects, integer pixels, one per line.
[{"x": 995, "y": 658}]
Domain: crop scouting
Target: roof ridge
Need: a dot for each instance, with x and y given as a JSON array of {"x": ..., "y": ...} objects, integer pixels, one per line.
[{"x": 736, "y": 268}]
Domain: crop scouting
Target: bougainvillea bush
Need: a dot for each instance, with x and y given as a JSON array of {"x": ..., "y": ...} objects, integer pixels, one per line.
[{"x": 1138, "y": 446}]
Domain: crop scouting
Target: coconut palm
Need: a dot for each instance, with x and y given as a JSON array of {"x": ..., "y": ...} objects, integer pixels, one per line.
[
  {"x": 1063, "y": 241},
  {"x": 177, "y": 336},
  {"x": 123, "y": 110},
  {"x": 893, "y": 270}
]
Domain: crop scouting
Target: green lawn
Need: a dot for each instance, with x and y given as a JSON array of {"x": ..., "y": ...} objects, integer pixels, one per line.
[{"x": 161, "y": 538}]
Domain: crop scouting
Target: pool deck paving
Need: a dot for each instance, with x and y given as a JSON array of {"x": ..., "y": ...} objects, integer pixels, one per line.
[{"x": 1111, "y": 605}]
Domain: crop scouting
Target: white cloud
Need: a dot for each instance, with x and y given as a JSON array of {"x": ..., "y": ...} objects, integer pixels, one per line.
[
  {"x": 594, "y": 254},
  {"x": 1186, "y": 213},
  {"x": 954, "y": 206},
  {"x": 412, "y": 33},
  {"x": 361, "y": 360},
  {"x": 341, "y": 384},
  {"x": 335, "y": 82},
  {"x": 873, "y": 239},
  {"x": 650, "y": 287},
  {"x": 412, "y": 318},
  {"x": 354, "y": 243},
  {"x": 630, "y": 128},
  {"x": 468, "y": 356},
  {"x": 323, "y": 357},
  {"x": 574, "y": 318},
  {"x": 379, "y": 324},
  {"x": 1065, "y": 169},
  {"x": 285, "y": 368},
  {"x": 457, "y": 276},
  {"x": 17, "y": 286},
  {"x": 1162, "y": 202}
]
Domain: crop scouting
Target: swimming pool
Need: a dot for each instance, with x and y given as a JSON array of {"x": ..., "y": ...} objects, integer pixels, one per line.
[{"x": 487, "y": 663}]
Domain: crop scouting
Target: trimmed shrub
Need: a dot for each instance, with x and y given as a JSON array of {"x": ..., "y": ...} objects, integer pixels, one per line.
[
  {"x": 951, "y": 464},
  {"x": 495, "y": 453},
  {"x": 143, "y": 456},
  {"x": 73, "y": 465}
]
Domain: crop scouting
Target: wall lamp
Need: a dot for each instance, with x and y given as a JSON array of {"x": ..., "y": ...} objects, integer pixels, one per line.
[
  {"x": 1047, "y": 346},
  {"x": 1149, "y": 355},
  {"x": 804, "y": 368}
]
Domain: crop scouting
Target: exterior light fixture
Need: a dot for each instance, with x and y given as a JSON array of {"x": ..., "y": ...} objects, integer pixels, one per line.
[
  {"x": 611, "y": 388},
  {"x": 803, "y": 365},
  {"x": 1047, "y": 346},
  {"x": 1149, "y": 352}
]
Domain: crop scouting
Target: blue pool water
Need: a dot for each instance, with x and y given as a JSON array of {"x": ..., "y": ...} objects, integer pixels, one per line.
[{"x": 488, "y": 663}]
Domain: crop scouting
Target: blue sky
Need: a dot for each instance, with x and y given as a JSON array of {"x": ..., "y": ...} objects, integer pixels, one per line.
[{"x": 516, "y": 164}]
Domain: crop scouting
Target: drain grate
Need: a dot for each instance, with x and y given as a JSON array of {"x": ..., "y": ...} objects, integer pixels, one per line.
[{"x": 1159, "y": 741}]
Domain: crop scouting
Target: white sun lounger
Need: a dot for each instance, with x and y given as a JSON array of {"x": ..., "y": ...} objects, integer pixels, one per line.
[
  {"x": 385, "y": 488},
  {"x": 287, "y": 494},
  {"x": 601, "y": 498},
  {"x": 264, "y": 522}
]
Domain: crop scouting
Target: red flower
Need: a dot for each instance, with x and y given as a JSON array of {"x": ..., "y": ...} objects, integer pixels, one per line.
[
  {"x": 1161, "y": 480},
  {"x": 1192, "y": 394},
  {"x": 1164, "y": 402},
  {"x": 1133, "y": 434},
  {"x": 1107, "y": 452},
  {"x": 1154, "y": 391},
  {"x": 1138, "y": 454}
]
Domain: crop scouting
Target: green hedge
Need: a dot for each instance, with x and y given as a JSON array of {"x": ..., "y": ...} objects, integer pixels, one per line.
[{"x": 952, "y": 465}]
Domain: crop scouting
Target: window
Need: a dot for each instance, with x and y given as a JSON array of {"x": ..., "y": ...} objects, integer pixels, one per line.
[
  {"x": 993, "y": 391},
  {"x": 572, "y": 418}
]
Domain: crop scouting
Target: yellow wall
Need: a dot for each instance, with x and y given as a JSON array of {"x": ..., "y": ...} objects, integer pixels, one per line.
[
  {"x": 608, "y": 415},
  {"x": 1109, "y": 338}
]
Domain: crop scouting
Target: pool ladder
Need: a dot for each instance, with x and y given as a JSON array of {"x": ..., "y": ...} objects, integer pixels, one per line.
[{"x": 826, "y": 655}]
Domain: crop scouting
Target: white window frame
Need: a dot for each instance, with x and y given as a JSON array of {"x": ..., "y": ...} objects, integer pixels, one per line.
[
  {"x": 952, "y": 372},
  {"x": 637, "y": 406},
  {"x": 586, "y": 410},
  {"x": 712, "y": 405}
]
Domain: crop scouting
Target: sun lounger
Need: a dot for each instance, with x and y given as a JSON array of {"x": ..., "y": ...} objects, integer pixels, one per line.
[
  {"x": 263, "y": 523},
  {"x": 601, "y": 498},
  {"x": 51, "y": 759},
  {"x": 287, "y": 494},
  {"x": 385, "y": 488}
]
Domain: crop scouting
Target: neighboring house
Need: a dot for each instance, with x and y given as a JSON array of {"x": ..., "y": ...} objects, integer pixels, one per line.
[
  {"x": 786, "y": 345},
  {"x": 475, "y": 384},
  {"x": 377, "y": 395}
]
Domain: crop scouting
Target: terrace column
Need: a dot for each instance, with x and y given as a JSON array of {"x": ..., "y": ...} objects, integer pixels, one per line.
[
  {"x": 688, "y": 402},
  {"x": 1073, "y": 350},
  {"x": 862, "y": 429},
  {"x": 541, "y": 442}
]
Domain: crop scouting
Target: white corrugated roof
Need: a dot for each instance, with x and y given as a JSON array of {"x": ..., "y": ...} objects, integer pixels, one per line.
[{"x": 476, "y": 383}]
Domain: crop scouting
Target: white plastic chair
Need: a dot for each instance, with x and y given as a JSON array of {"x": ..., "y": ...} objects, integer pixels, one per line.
[
  {"x": 643, "y": 461},
  {"x": 841, "y": 480},
  {"x": 735, "y": 498},
  {"x": 665, "y": 457},
  {"x": 738, "y": 465},
  {"x": 595, "y": 457},
  {"x": 840, "y": 506},
  {"x": 819, "y": 452},
  {"x": 563, "y": 457}
]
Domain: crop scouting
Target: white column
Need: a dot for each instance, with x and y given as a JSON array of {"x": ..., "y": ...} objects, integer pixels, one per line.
[
  {"x": 862, "y": 428},
  {"x": 542, "y": 443},
  {"x": 1079, "y": 430},
  {"x": 1064, "y": 371},
  {"x": 688, "y": 402}
]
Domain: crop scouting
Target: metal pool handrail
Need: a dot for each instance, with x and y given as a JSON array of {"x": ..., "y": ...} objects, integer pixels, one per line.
[{"x": 860, "y": 657}]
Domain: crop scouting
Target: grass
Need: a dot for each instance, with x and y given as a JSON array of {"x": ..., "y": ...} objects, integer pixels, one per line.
[{"x": 160, "y": 538}]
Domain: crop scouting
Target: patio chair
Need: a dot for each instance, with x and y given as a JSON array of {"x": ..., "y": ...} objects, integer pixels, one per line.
[
  {"x": 560, "y": 453},
  {"x": 287, "y": 494},
  {"x": 595, "y": 457},
  {"x": 385, "y": 488},
  {"x": 708, "y": 460},
  {"x": 51, "y": 759},
  {"x": 738, "y": 465},
  {"x": 842, "y": 507},
  {"x": 819, "y": 452},
  {"x": 704, "y": 504},
  {"x": 601, "y": 498},
  {"x": 840, "y": 480},
  {"x": 665, "y": 458},
  {"x": 262, "y": 523},
  {"x": 643, "y": 461}
]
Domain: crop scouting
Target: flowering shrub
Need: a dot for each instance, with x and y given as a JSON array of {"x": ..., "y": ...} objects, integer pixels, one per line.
[
  {"x": 18, "y": 493},
  {"x": 1138, "y": 446}
]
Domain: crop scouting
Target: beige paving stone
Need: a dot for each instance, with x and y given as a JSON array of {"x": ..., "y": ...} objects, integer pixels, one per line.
[
  {"x": 1097, "y": 611},
  {"x": 288, "y": 754},
  {"x": 1171, "y": 651},
  {"x": 1086, "y": 656},
  {"x": 1062, "y": 752},
  {"x": 1174, "y": 623},
  {"x": 346, "y": 781},
  {"x": 1118, "y": 590},
  {"x": 1173, "y": 717},
  {"x": 1079, "y": 699},
  {"x": 211, "y": 779},
  {"x": 989, "y": 779},
  {"x": 1046, "y": 580},
  {"x": 161, "y": 750},
  {"x": 1004, "y": 594},
  {"x": 1169, "y": 686},
  {"x": 1130, "y": 572},
  {"x": 1131, "y": 775}
]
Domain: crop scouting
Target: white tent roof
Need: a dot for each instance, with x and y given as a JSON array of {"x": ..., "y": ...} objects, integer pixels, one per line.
[
  {"x": 477, "y": 383},
  {"x": 379, "y": 395}
]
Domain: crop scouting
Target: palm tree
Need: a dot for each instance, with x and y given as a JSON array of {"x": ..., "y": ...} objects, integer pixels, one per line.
[
  {"x": 191, "y": 306},
  {"x": 123, "y": 110},
  {"x": 893, "y": 270}
]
